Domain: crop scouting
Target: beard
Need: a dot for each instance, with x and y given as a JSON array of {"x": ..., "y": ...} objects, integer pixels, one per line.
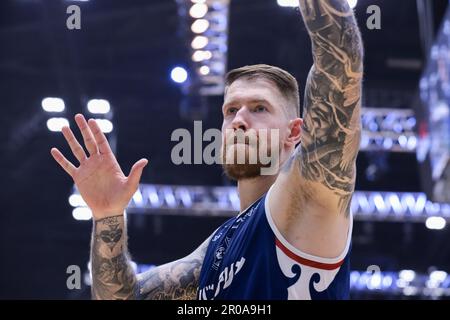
[
  {"x": 235, "y": 170},
  {"x": 242, "y": 160}
]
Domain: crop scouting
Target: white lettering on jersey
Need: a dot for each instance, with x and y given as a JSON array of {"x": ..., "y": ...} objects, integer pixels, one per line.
[{"x": 225, "y": 277}]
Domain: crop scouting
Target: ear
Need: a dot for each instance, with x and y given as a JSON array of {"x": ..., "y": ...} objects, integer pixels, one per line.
[{"x": 295, "y": 131}]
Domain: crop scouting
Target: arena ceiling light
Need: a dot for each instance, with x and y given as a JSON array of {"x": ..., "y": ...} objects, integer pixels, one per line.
[
  {"x": 105, "y": 125},
  {"x": 199, "y": 42},
  {"x": 198, "y": 10},
  {"x": 204, "y": 70},
  {"x": 208, "y": 21},
  {"x": 435, "y": 223},
  {"x": 201, "y": 55},
  {"x": 179, "y": 75},
  {"x": 82, "y": 213},
  {"x": 200, "y": 26},
  {"x": 224, "y": 201},
  {"x": 98, "y": 106},
  {"x": 56, "y": 124},
  {"x": 407, "y": 275},
  {"x": 75, "y": 200},
  {"x": 51, "y": 104}
]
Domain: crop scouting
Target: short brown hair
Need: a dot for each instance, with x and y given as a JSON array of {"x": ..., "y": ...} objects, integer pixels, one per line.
[{"x": 284, "y": 81}]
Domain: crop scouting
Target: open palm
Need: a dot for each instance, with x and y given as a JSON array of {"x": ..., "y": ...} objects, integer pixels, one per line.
[{"x": 99, "y": 178}]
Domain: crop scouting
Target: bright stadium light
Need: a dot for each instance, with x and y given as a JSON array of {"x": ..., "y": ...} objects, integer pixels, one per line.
[
  {"x": 98, "y": 106},
  {"x": 201, "y": 55},
  {"x": 82, "y": 213},
  {"x": 75, "y": 200},
  {"x": 407, "y": 275},
  {"x": 435, "y": 223},
  {"x": 198, "y": 10},
  {"x": 56, "y": 124},
  {"x": 204, "y": 70},
  {"x": 53, "y": 104},
  {"x": 199, "y": 42},
  {"x": 179, "y": 75},
  {"x": 287, "y": 3},
  {"x": 438, "y": 275},
  {"x": 208, "y": 23},
  {"x": 200, "y": 26},
  {"x": 105, "y": 125}
]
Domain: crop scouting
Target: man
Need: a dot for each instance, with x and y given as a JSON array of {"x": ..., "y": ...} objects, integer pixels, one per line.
[{"x": 291, "y": 239}]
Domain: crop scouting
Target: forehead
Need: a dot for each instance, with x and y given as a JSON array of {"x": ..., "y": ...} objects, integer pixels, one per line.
[{"x": 253, "y": 89}]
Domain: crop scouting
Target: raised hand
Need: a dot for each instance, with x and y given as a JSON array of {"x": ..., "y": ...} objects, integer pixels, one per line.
[{"x": 99, "y": 178}]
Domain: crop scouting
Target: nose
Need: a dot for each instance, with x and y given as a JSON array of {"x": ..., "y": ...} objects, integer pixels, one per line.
[{"x": 240, "y": 120}]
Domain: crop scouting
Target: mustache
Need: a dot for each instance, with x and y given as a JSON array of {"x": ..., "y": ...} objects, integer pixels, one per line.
[{"x": 245, "y": 138}]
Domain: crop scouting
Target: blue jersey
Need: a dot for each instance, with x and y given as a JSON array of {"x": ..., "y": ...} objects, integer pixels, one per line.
[{"x": 248, "y": 258}]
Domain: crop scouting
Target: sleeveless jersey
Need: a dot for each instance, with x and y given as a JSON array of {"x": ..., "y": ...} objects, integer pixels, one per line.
[{"x": 248, "y": 258}]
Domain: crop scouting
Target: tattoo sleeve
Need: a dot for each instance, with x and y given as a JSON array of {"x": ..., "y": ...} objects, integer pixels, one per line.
[
  {"x": 177, "y": 280},
  {"x": 331, "y": 128},
  {"x": 114, "y": 278},
  {"x": 112, "y": 275}
]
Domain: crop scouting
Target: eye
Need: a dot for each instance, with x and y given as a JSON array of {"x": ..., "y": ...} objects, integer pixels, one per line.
[
  {"x": 260, "y": 109},
  {"x": 231, "y": 110}
]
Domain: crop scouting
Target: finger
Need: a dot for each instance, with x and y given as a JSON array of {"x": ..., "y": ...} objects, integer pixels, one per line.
[
  {"x": 75, "y": 146},
  {"x": 100, "y": 138},
  {"x": 63, "y": 162},
  {"x": 136, "y": 172},
  {"x": 88, "y": 137}
]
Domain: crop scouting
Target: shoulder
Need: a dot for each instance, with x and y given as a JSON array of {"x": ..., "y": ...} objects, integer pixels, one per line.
[
  {"x": 295, "y": 190},
  {"x": 305, "y": 214}
]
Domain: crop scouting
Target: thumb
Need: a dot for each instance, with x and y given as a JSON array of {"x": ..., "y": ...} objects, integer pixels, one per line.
[{"x": 136, "y": 172}]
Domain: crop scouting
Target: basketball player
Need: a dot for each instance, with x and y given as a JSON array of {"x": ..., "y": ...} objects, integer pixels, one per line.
[{"x": 291, "y": 239}]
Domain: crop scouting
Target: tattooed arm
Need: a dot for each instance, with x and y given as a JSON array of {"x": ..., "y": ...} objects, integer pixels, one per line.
[
  {"x": 114, "y": 278},
  {"x": 112, "y": 274},
  {"x": 176, "y": 280},
  {"x": 311, "y": 196},
  {"x": 331, "y": 128}
]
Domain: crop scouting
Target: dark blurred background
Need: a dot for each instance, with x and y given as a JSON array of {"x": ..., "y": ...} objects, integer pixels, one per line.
[{"x": 124, "y": 53}]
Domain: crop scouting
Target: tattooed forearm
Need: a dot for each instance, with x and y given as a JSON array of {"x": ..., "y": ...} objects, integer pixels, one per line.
[
  {"x": 177, "y": 280},
  {"x": 114, "y": 278},
  {"x": 112, "y": 274},
  {"x": 331, "y": 128}
]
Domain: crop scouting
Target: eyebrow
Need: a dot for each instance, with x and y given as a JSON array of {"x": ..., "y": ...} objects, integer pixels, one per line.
[{"x": 252, "y": 101}]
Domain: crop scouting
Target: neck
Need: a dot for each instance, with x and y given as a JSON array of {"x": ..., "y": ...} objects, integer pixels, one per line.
[{"x": 251, "y": 190}]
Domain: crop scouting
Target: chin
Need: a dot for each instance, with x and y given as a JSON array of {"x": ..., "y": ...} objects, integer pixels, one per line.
[
  {"x": 249, "y": 168},
  {"x": 242, "y": 171}
]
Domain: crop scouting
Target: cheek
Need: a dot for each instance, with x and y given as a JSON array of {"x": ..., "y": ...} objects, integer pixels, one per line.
[
  {"x": 277, "y": 136},
  {"x": 226, "y": 130},
  {"x": 284, "y": 137},
  {"x": 267, "y": 120},
  {"x": 227, "y": 124}
]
